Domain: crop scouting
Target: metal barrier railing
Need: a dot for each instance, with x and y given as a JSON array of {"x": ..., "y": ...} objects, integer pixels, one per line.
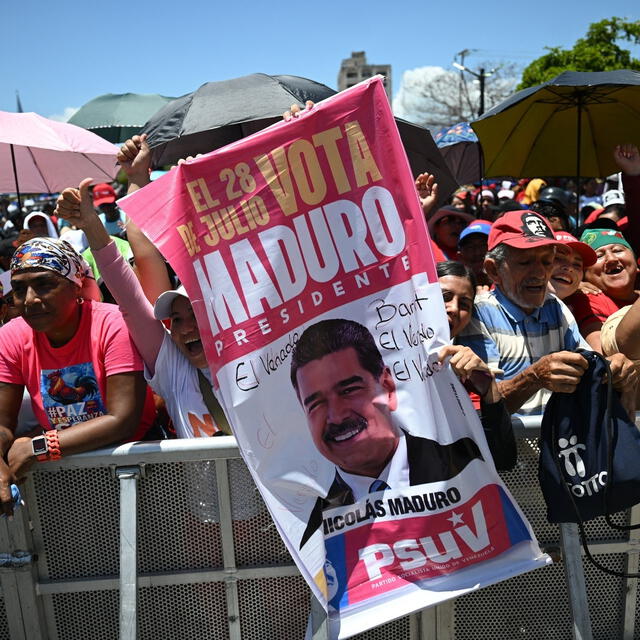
[{"x": 46, "y": 585}]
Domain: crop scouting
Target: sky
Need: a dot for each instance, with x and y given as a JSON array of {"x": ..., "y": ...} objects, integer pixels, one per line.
[{"x": 60, "y": 55}]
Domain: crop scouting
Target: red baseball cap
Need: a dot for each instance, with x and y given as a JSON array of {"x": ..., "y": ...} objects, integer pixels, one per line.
[
  {"x": 587, "y": 254},
  {"x": 103, "y": 193},
  {"x": 521, "y": 229}
]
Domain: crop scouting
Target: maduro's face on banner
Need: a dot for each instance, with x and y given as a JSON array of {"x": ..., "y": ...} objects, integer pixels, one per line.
[{"x": 348, "y": 411}]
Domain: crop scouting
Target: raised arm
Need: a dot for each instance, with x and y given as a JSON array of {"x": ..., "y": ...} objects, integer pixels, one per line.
[
  {"x": 627, "y": 332},
  {"x": 147, "y": 333},
  {"x": 135, "y": 159}
]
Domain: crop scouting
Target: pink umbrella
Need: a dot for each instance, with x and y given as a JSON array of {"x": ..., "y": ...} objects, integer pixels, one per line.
[{"x": 38, "y": 155}]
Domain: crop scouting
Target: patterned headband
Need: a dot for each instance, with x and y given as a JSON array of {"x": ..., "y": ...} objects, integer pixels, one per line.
[{"x": 52, "y": 254}]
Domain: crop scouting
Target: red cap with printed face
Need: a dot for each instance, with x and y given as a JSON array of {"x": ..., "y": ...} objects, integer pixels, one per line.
[{"x": 522, "y": 230}]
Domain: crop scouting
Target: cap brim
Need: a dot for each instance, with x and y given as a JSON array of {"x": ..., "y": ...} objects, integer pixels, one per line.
[
  {"x": 528, "y": 242},
  {"x": 106, "y": 200},
  {"x": 162, "y": 307},
  {"x": 587, "y": 254}
]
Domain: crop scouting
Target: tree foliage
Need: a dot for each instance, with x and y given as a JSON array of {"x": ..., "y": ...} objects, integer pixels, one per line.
[{"x": 597, "y": 51}]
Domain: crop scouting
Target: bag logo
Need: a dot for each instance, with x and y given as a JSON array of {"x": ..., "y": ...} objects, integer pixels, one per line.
[{"x": 570, "y": 450}]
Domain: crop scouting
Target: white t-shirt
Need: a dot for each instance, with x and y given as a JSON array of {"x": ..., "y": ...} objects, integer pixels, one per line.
[{"x": 176, "y": 380}]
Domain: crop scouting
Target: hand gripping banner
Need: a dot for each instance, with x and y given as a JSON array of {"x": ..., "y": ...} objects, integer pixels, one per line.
[{"x": 305, "y": 254}]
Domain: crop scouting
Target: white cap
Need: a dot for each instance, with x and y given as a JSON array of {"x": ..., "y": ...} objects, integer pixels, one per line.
[
  {"x": 509, "y": 194},
  {"x": 162, "y": 307},
  {"x": 613, "y": 196}
]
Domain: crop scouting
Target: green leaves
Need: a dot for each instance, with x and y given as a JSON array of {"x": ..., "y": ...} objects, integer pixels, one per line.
[{"x": 597, "y": 51}]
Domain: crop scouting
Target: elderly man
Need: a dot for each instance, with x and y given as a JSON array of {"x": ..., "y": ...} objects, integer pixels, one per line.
[{"x": 522, "y": 329}]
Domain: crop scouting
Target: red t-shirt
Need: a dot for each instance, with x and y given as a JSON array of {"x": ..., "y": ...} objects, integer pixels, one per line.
[
  {"x": 588, "y": 308},
  {"x": 68, "y": 384}
]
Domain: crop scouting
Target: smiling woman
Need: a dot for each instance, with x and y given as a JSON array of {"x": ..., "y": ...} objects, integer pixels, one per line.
[
  {"x": 82, "y": 372},
  {"x": 613, "y": 272}
]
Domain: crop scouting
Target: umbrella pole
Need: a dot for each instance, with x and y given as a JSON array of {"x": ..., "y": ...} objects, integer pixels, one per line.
[
  {"x": 578, "y": 141},
  {"x": 15, "y": 177}
]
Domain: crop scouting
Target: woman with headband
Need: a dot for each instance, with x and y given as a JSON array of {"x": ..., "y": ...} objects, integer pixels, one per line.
[{"x": 74, "y": 356}]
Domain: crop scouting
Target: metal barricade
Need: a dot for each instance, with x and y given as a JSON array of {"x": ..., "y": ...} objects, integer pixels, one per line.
[{"x": 172, "y": 540}]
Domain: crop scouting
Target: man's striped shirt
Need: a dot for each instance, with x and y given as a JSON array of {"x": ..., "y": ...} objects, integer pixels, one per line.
[{"x": 506, "y": 338}]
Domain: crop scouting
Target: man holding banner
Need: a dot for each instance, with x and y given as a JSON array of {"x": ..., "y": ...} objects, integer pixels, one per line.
[{"x": 279, "y": 238}]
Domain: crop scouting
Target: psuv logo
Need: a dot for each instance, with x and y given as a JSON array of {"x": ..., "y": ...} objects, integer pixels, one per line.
[{"x": 437, "y": 553}]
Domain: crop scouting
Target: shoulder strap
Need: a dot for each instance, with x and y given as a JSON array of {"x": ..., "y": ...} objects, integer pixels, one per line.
[{"x": 213, "y": 405}]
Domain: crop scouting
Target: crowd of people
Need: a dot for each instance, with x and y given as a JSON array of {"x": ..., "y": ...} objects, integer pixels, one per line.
[{"x": 99, "y": 345}]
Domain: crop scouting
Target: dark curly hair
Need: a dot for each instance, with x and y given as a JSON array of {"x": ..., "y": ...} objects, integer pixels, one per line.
[{"x": 329, "y": 336}]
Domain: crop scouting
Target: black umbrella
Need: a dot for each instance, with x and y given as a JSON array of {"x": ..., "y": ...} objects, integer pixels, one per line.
[
  {"x": 425, "y": 157},
  {"x": 567, "y": 126},
  {"x": 222, "y": 112}
]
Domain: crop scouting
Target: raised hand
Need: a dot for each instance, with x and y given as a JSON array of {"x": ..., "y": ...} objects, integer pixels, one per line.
[
  {"x": 427, "y": 192},
  {"x": 627, "y": 158},
  {"x": 76, "y": 206},
  {"x": 296, "y": 110},
  {"x": 134, "y": 157}
]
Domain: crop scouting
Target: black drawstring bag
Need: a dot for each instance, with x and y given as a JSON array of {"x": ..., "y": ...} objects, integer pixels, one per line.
[{"x": 589, "y": 453}]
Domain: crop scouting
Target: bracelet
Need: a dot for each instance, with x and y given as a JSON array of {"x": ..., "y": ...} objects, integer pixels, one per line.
[{"x": 53, "y": 444}]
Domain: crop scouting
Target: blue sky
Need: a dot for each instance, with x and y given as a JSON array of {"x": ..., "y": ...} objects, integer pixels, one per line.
[{"x": 63, "y": 54}]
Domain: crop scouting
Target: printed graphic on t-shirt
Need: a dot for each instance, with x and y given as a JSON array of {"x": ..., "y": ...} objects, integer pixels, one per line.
[{"x": 71, "y": 395}]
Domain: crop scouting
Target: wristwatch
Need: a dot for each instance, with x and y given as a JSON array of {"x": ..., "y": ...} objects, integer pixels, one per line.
[{"x": 47, "y": 446}]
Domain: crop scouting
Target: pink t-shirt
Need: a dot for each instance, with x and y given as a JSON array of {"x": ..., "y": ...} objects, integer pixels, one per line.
[{"x": 68, "y": 384}]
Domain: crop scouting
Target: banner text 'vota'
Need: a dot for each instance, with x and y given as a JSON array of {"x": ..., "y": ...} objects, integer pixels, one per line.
[{"x": 305, "y": 227}]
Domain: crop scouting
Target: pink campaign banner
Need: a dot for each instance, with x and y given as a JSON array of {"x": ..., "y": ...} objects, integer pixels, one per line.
[{"x": 306, "y": 257}]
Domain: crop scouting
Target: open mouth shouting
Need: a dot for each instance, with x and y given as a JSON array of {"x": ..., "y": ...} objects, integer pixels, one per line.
[
  {"x": 193, "y": 346},
  {"x": 613, "y": 269}
]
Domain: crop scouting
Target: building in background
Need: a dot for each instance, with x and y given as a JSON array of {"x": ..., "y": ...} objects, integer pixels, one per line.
[{"x": 355, "y": 69}]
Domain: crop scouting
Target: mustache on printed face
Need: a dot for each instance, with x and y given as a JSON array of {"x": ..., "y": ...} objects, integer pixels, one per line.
[{"x": 345, "y": 430}]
